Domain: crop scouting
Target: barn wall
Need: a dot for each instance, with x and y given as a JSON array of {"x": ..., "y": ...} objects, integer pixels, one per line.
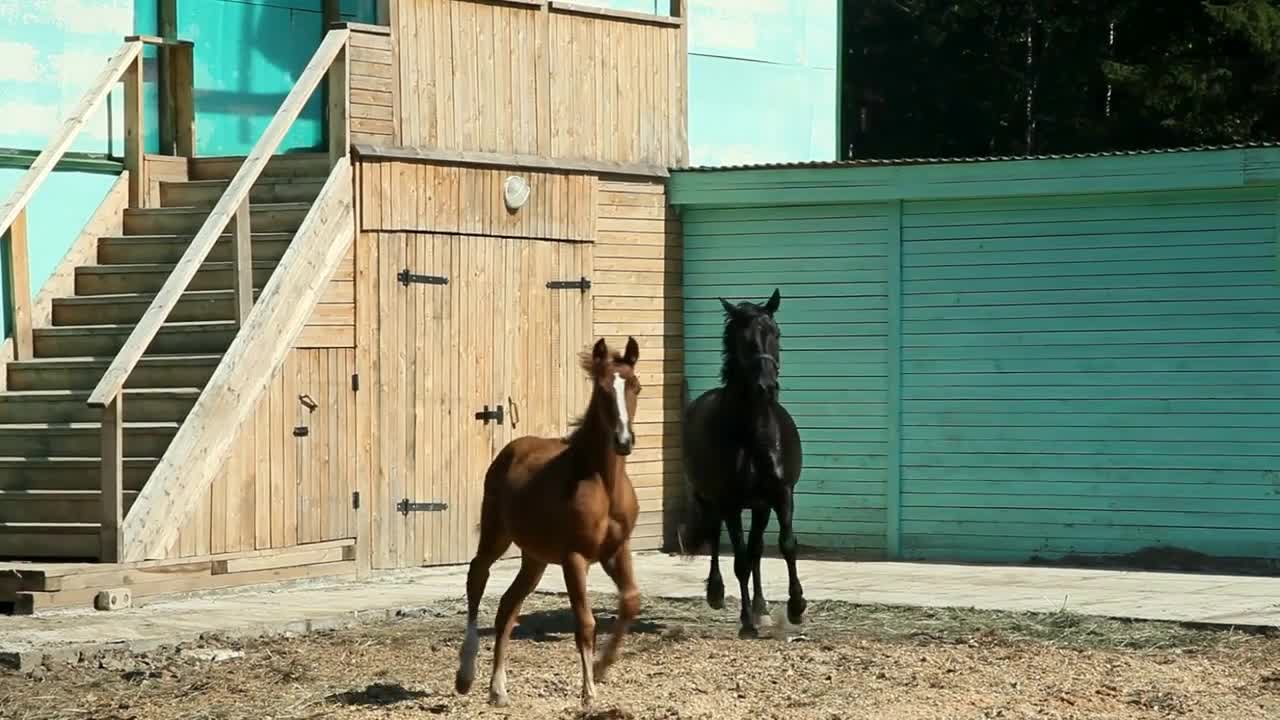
[
  {"x": 569, "y": 82},
  {"x": 1091, "y": 375},
  {"x": 637, "y": 293},
  {"x": 278, "y": 489},
  {"x": 1080, "y": 356},
  {"x": 830, "y": 264}
]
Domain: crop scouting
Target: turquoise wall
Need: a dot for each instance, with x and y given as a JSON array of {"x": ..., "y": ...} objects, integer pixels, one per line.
[
  {"x": 1008, "y": 360},
  {"x": 248, "y": 54},
  {"x": 51, "y": 53},
  {"x": 762, "y": 78}
]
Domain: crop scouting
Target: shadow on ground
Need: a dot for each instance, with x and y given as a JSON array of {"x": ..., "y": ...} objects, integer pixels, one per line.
[
  {"x": 557, "y": 625},
  {"x": 379, "y": 694}
]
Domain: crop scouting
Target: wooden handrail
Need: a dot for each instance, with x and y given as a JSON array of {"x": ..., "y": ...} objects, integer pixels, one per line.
[
  {"x": 13, "y": 213},
  {"x": 71, "y": 127},
  {"x": 236, "y": 195}
]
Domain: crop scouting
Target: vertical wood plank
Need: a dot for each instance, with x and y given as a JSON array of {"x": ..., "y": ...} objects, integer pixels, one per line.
[
  {"x": 411, "y": 70},
  {"x": 232, "y": 484},
  {"x": 407, "y": 408},
  {"x": 444, "y": 64},
  {"x": 182, "y": 86},
  {"x": 420, "y": 400},
  {"x": 544, "y": 85},
  {"x": 365, "y": 399},
  {"x": 280, "y": 445},
  {"x": 133, "y": 134},
  {"x": 262, "y": 470},
  {"x": 112, "y": 480},
  {"x": 242, "y": 267},
  {"x": 503, "y": 115},
  {"x": 18, "y": 285},
  {"x": 291, "y": 411},
  {"x": 893, "y": 472},
  {"x": 339, "y": 103}
]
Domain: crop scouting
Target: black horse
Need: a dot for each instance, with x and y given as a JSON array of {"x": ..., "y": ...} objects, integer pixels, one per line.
[{"x": 742, "y": 451}]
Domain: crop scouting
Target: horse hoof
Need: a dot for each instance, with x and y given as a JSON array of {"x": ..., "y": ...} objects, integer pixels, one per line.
[
  {"x": 497, "y": 700},
  {"x": 716, "y": 603},
  {"x": 795, "y": 610},
  {"x": 748, "y": 632},
  {"x": 600, "y": 672},
  {"x": 462, "y": 683}
]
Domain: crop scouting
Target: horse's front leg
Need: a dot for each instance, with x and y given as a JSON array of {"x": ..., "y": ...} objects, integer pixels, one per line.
[
  {"x": 575, "y": 581},
  {"x": 620, "y": 570},
  {"x": 741, "y": 568},
  {"x": 796, "y": 603},
  {"x": 715, "y": 583},
  {"x": 755, "y": 548}
]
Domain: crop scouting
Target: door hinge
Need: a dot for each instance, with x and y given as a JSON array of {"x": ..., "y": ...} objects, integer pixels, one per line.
[
  {"x": 301, "y": 431},
  {"x": 486, "y": 414},
  {"x": 355, "y": 500},
  {"x": 355, "y": 382},
  {"x": 582, "y": 284},
  {"x": 404, "y": 507},
  {"x": 405, "y": 277}
]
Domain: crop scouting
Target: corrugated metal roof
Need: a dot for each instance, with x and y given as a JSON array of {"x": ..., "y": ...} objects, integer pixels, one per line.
[{"x": 871, "y": 162}]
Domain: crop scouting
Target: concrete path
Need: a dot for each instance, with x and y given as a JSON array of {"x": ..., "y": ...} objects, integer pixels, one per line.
[{"x": 1216, "y": 599}]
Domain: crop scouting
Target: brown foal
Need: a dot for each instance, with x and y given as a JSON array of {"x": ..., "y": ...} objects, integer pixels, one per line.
[{"x": 567, "y": 502}]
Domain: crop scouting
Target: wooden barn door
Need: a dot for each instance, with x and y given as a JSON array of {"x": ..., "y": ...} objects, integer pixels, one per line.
[{"x": 478, "y": 323}]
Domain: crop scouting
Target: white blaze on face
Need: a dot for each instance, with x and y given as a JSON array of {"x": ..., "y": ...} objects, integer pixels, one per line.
[{"x": 620, "y": 394}]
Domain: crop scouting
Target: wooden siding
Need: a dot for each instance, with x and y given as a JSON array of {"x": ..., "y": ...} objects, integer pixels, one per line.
[
  {"x": 278, "y": 490},
  {"x": 430, "y": 197},
  {"x": 1091, "y": 375},
  {"x": 830, "y": 264},
  {"x": 374, "y": 81},
  {"x": 636, "y": 292},
  {"x": 333, "y": 322},
  {"x": 567, "y": 84}
]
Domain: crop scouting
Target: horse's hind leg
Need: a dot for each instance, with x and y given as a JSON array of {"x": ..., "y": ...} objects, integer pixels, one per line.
[
  {"x": 508, "y": 609},
  {"x": 796, "y": 603},
  {"x": 493, "y": 542},
  {"x": 755, "y": 548},
  {"x": 621, "y": 572},
  {"x": 715, "y": 583},
  {"x": 575, "y": 581}
]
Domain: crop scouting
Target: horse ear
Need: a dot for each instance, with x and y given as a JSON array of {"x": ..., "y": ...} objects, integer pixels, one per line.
[
  {"x": 728, "y": 308},
  {"x": 600, "y": 353},
  {"x": 632, "y": 353},
  {"x": 775, "y": 300}
]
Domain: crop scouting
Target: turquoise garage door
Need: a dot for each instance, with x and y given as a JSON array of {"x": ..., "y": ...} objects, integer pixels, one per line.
[
  {"x": 1091, "y": 375},
  {"x": 830, "y": 264}
]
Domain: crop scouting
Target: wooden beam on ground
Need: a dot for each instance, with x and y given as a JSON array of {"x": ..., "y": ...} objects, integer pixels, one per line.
[{"x": 196, "y": 453}]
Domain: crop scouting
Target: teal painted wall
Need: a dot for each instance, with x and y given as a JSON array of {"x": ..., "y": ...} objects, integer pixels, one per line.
[
  {"x": 829, "y": 262},
  {"x": 248, "y": 54},
  {"x": 51, "y": 53},
  {"x": 1061, "y": 370},
  {"x": 762, "y": 78}
]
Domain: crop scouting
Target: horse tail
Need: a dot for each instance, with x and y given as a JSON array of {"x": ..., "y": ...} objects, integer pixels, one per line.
[{"x": 699, "y": 525}]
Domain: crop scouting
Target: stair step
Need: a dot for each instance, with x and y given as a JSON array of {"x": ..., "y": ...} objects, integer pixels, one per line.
[
  {"x": 150, "y": 277},
  {"x": 173, "y": 338},
  {"x": 206, "y": 193},
  {"x": 142, "y": 249},
  {"x": 82, "y": 439},
  {"x": 195, "y": 306},
  {"x": 267, "y": 217},
  {"x": 65, "y": 541},
  {"x": 83, "y": 373},
  {"x": 56, "y": 506},
  {"x": 69, "y": 406},
  {"x": 224, "y": 167},
  {"x": 69, "y": 473}
]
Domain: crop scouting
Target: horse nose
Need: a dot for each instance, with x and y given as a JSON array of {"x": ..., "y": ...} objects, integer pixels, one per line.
[{"x": 623, "y": 442}]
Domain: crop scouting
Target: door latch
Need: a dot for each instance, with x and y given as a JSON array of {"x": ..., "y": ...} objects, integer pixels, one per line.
[{"x": 486, "y": 414}]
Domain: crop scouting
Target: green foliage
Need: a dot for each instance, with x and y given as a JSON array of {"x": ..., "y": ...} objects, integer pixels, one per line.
[{"x": 931, "y": 78}]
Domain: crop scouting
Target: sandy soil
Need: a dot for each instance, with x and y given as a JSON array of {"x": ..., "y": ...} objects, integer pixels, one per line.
[{"x": 684, "y": 661}]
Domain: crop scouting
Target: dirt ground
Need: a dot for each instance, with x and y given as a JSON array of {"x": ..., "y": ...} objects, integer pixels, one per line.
[{"x": 684, "y": 661}]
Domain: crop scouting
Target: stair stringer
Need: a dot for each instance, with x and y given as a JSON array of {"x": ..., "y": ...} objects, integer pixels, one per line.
[{"x": 199, "y": 449}]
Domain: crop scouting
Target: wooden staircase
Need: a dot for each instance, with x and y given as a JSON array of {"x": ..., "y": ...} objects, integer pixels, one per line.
[{"x": 50, "y": 439}]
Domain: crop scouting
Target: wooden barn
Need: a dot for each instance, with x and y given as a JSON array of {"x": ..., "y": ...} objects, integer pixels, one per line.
[
  {"x": 298, "y": 364},
  {"x": 1068, "y": 358}
]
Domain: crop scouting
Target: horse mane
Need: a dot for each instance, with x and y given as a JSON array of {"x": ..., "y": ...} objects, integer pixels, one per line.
[{"x": 730, "y": 371}]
